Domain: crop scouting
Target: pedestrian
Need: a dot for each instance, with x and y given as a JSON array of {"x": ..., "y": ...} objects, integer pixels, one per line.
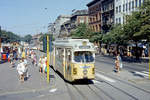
[
  {"x": 44, "y": 63},
  {"x": 11, "y": 59},
  {"x": 40, "y": 65},
  {"x": 34, "y": 59},
  {"x": 26, "y": 68},
  {"x": 28, "y": 52},
  {"x": 23, "y": 54},
  {"x": 116, "y": 65},
  {"x": 21, "y": 69},
  {"x": 143, "y": 53},
  {"x": 119, "y": 61},
  {"x": 19, "y": 53}
]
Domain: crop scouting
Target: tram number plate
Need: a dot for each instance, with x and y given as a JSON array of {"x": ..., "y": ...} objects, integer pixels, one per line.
[
  {"x": 84, "y": 47},
  {"x": 85, "y": 67}
]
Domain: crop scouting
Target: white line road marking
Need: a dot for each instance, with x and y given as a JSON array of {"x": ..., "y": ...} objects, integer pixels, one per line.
[
  {"x": 95, "y": 81},
  {"x": 140, "y": 73},
  {"x": 105, "y": 78},
  {"x": 145, "y": 72},
  {"x": 52, "y": 90}
]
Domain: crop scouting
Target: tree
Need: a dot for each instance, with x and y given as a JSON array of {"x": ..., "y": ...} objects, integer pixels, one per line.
[
  {"x": 82, "y": 31},
  {"x": 9, "y": 37},
  {"x": 27, "y": 38},
  {"x": 144, "y": 32},
  {"x": 44, "y": 37}
]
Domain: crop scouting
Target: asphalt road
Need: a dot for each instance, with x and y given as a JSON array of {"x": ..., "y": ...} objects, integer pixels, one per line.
[{"x": 107, "y": 85}]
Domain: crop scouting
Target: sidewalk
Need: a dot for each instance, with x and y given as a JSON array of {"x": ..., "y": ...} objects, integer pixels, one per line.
[{"x": 10, "y": 83}]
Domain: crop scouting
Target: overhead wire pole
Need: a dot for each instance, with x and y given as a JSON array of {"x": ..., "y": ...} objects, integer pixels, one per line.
[{"x": 48, "y": 80}]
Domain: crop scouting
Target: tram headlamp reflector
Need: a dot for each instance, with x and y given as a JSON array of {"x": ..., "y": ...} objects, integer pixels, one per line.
[
  {"x": 85, "y": 71},
  {"x": 74, "y": 71}
]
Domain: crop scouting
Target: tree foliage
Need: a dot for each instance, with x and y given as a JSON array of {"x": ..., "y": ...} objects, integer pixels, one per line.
[
  {"x": 84, "y": 32},
  {"x": 27, "y": 38},
  {"x": 136, "y": 28},
  {"x": 8, "y": 36},
  {"x": 44, "y": 37}
]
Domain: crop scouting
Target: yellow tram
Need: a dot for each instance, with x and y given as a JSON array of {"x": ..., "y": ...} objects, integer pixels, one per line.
[{"x": 73, "y": 58}]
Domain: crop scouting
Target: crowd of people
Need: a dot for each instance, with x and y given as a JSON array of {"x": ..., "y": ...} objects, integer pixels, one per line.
[{"x": 23, "y": 56}]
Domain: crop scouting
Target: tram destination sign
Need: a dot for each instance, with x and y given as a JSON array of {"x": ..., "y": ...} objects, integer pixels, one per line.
[{"x": 84, "y": 47}]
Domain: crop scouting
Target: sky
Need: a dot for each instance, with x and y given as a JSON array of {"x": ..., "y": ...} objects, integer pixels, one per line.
[{"x": 32, "y": 16}]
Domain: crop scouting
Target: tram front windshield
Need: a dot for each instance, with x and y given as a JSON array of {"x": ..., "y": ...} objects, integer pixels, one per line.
[{"x": 83, "y": 56}]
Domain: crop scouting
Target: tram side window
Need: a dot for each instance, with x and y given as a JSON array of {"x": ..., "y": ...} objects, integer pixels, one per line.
[
  {"x": 60, "y": 54},
  {"x": 69, "y": 56},
  {"x": 83, "y": 56}
]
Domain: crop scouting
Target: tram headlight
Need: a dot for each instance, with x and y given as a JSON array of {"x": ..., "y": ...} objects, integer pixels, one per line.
[
  {"x": 85, "y": 71},
  {"x": 74, "y": 71}
]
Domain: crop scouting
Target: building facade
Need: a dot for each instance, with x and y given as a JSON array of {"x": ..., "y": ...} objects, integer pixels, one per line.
[
  {"x": 56, "y": 26},
  {"x": 94, "y": 11},
  {"x": 78, "y": 17},
  {"x": 125, "y": 7},
  {"x": 107, "y": 13}
]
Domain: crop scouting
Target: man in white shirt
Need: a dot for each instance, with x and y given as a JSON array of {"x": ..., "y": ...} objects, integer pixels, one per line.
[{"x": 21, "y": 69}]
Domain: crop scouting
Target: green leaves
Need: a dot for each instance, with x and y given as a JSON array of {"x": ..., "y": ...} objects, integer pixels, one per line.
[
  {"x": 136, "y": 28},
  {"x": 28, "y": 38},
  {"x": 9, "y": 37}
]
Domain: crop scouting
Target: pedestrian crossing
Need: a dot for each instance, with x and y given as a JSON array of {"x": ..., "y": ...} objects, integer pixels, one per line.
[{"x": 142, "y": 73}]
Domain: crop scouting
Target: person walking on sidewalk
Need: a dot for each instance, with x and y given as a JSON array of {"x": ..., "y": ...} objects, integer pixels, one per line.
[
  {"x": 11, "y": 59},
  {"x": 23, "y": 54},
  {"x": 120, "y": 61},
  {"x": 20, "y": 69},
  {"x": 26, "y": 68},
  {"x": 117, "y": 65},
  {"x": 40, "y": 65}
]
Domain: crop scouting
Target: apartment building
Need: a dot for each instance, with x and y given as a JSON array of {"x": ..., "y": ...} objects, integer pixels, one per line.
[
  {"x": 107, "y": 13},
  {"x": 56, "y": 26},
  {"x": 94, "y": 10},
  {"x": 125, "y": 7},
  {"x": 79, "y": 16}
]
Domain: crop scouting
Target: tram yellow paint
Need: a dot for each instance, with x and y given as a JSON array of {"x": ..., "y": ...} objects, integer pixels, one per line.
[{"x": 74, "y": 58}]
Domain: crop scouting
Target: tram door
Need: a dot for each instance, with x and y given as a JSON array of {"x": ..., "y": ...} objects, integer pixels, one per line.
[{"x": 68, "y": 63}]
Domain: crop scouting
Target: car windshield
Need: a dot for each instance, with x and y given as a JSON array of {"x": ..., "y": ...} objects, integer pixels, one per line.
[{"x": 83, "y": 56}]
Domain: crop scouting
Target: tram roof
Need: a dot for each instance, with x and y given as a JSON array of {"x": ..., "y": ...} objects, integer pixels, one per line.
[{"x": 71, "y": 42}]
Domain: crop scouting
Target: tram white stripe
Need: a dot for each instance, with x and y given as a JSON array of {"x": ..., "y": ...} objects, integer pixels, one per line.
[
  {"x": 105, "y": 78},
  {"x": 140, "y": 73}
]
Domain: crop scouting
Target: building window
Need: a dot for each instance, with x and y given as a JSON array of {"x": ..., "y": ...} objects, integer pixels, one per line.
[
  {"x": 132, "y": 4},
  {"x": 120, "y": 8},
  {"x": 129, "y": 6},
  {"x": 136, "y": 3},
  {"x": 123, "y": 7},
  {"x": 119, "y": 20},
  {"x": 126, "y": 6},
  {"x": 96, "y": 27},
  {"x": 139, "y": 3},
  {"x": 123, "y": 20},
  {"x": 116, "y": 20},
  {"x": 99, "y": 26},
  {"x": 116, "y": 10}
]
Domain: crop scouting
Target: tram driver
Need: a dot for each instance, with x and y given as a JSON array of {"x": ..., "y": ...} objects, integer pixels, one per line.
[{"x": 85, "y": 56}]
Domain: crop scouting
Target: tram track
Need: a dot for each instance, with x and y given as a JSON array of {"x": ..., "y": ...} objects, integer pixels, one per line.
[
  {"x": 81, "y": 92},
  {"x": 127, "y": 83},
  {"x": 134, "y": 98}
]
